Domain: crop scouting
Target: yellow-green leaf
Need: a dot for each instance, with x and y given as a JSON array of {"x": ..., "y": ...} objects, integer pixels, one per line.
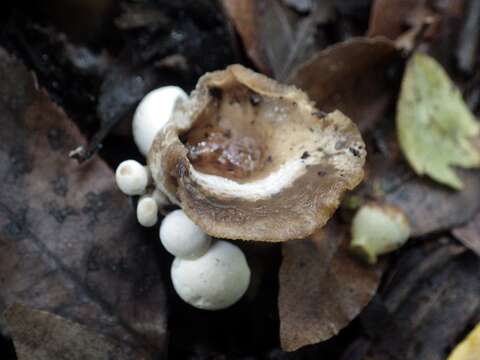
[
  {"x": 469, "y": 348},
  {"x": 436, "y": 130}
]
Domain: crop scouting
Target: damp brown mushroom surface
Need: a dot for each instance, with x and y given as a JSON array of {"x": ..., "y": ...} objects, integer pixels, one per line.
[{"x": 248, "y": 158}]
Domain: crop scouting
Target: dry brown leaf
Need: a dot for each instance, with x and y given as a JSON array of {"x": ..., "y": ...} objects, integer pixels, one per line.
[
  {"x": 322, "y": 287},
  {"x": 431, "y": 300},
  {"x": 392, "y": 18},
  {"x": 275, "y": 37},
  {"x": 361, "y": 88},
  {"x": 70, "y": 242},
  {"x": 469, "y": 234},
  {"x": 387, "y": 17},
  {"x": 242, "y": 14},
  {"x": 431, "y": 207},
  {"x": 40, "y": 335},
  {"x": 448, "y": 29}
]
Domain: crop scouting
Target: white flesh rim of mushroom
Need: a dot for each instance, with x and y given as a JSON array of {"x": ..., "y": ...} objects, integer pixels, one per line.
[
  {"x": 152, "y": 114},
  {"x": 378, "y": 229},
  {"x": 214, "y": 281},
  {"x": 248, "y": 158}
]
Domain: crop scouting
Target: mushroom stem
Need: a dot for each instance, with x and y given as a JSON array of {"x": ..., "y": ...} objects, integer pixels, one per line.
[{"x": 147, "y": 211}]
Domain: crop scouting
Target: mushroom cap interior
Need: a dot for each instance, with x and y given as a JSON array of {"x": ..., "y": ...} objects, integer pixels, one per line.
[{"x": 248, "y": 158}]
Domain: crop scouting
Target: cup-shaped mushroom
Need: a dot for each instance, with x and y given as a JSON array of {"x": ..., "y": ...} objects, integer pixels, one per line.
[{"x": 248, "y": 158}]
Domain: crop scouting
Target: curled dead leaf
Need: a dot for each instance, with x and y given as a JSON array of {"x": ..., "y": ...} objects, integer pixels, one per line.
[
  {"x": 362, "y": 88},
  {"x": 322, "y": 287}
]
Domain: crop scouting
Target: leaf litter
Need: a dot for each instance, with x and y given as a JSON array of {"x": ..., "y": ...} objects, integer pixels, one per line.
[
  {"x": 429, "y": 291},
  {"x": 39, "y": 334},
  {"x": 70, "y": 242},
  {"x": 322, "y": 287}
]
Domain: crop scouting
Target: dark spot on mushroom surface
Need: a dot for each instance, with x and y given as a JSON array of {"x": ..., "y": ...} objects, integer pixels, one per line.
[
  {"x": 354, "y": 151},
  {"x": 181, "y": 169},
  {"x": 255, "y": 99},
  {"x": 321, "y": 173},
  {"x": 319, "y": 114},
  {"x": 269, "y": 158},
  {"x": 340, "y": 144},
  {"x": 305, "y": 155},
  {"x": 216, "y": 93}
]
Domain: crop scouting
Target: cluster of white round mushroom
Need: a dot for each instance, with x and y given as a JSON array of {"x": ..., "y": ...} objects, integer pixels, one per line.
[{"x": 207, "y": 274}]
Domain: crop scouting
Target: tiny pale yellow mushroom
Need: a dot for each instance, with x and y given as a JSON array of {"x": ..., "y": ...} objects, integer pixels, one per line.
[{"x": 378, "y": 229}]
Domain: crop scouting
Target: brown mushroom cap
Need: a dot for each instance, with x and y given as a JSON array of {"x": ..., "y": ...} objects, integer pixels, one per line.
[{"x": 248, "y": 158}]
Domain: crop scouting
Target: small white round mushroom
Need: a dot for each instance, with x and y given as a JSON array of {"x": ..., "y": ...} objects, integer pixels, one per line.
[
  {"x": 152, "y": 113},
  {"x": 182, "y": 237},
  {"x": 132, "y": 177},
  {"x": 213, "y": 281},
  {"x": 147, "y": 211}
]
